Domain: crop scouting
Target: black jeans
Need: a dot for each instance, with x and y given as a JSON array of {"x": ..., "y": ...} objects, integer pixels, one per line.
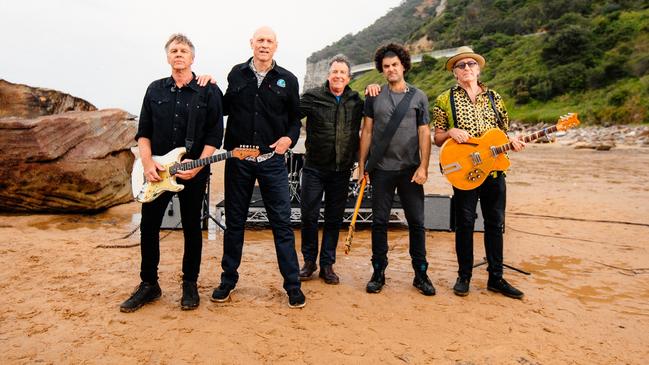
[
  {"x": 191, "y": 201},
  {"x": 335, "y": 186},
  {"x": 411, "y": 195},
  {"x": 492, "y": 194},
  {"x": 240, "y": 179}
]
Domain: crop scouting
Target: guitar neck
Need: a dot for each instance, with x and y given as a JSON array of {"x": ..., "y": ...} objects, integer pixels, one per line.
[
  {"x": 200, "y": 162},
  {"x": 531, "y": 137}
]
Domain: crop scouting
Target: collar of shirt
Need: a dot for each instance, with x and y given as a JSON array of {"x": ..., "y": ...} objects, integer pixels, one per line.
[
  {"x": 260, "y": 75},
  {"x": 193, "y": 84}
]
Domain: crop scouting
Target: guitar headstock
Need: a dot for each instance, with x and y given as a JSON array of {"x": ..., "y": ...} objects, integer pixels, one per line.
[
  {"x": 567, "y": 121},
  {"x": 245, "y": 152}
]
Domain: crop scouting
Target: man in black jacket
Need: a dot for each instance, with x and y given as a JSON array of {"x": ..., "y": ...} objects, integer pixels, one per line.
[
  {"x": 333, "y": 113},
  {"x": 262, "y": 104},
  {"x": 170, "y": 106}
]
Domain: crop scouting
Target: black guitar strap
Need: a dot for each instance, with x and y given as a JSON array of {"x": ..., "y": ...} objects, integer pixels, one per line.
[
  {"x": 390, "y": 129},
  {"x": 191, "y": 119}
]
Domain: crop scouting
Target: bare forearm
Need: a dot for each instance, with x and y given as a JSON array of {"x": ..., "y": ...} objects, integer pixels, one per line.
[{"x": 424, "y": 145}]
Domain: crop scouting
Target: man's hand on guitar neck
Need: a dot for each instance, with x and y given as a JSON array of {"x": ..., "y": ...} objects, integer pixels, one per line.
[
  {"x": 188, "y": 174},
  {"x": 518, "y": 143}
]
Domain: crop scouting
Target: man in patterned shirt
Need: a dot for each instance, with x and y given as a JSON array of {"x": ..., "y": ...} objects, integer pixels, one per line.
[{"x": 467, "y": 110}]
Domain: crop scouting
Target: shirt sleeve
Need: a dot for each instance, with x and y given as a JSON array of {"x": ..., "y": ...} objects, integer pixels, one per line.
[
  {"x": 145, "y": 124},
  {"x": 293, "y": 109},
  {"x": 306, "y": 104},
  {"x": 214, "y": 121},
  {"x": 440, "y": 119},
  {"x": 423, "y": 107},
  {"x": 368, "y": 108}
]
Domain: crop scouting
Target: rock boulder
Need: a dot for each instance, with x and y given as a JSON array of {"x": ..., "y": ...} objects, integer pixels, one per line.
[
  {"x": 69, "y": 162},
  {"x": 22, "y": 101}
]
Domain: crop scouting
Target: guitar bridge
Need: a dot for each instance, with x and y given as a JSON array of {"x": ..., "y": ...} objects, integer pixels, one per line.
[{"x": 450, "y": 168}]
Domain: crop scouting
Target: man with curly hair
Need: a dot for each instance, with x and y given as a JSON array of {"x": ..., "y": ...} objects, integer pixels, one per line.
[{"x": 399, "y": 150}]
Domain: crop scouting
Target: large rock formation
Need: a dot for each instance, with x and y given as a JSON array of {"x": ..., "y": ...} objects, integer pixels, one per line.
[
  {"x": 22, "y": 101},
  {"x": 70, "y": 162}
]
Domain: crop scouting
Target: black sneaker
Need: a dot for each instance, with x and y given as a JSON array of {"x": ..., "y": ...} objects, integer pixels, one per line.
[
  {"x": 423, "y": 284},
  {"x": 501, "y": 286},
  {"x": 376, "y": 282},
  {"x": 222, "y": 293},
  {"x": 190, "y": 297},
  {"x": 145, "y": 293},
  {"x": 461, "y": 287},
  {"x": 296, "y": 298}
]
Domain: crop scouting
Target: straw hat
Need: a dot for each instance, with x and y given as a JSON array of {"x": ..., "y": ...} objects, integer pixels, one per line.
[{"x": 464, "y": 52}]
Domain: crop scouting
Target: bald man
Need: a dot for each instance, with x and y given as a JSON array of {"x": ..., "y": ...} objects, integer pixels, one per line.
[{"x": 261, "y": 102}]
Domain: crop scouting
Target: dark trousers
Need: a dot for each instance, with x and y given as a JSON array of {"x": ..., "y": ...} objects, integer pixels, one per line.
[
  {"x": 335, "y": 186},
  {"x": 411, "y": 195},
  {"x": 191, "y": 201},
  {"x": 492, "y": 194},
  {"x": 240, "y": 179}
]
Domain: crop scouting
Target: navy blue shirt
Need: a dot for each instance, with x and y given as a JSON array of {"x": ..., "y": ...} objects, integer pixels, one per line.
[
  {"x": 165, "y": 114},
  {"x": 261, "y": 115}
]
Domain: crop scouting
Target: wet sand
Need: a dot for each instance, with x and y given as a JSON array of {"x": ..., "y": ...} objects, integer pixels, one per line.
[{"x": 576, "y": 219}]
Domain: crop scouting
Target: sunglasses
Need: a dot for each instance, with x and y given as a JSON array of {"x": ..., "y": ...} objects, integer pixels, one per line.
[{"x": 462, "y": 65}]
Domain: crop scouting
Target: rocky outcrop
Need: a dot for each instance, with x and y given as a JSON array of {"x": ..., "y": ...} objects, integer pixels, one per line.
[
  {"x": 24, "y": 101},
  {"x": 70, "y": 162}
]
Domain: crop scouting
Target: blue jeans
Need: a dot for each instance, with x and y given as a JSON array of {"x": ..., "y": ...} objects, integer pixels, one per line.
[
  {"x": 335, "y": 186},
  {"x": 191, "y": 202},
  {"x": 411, "y": 195},
  {"x": 240, "y": 179},
  {"x": 492, "y": 194}
]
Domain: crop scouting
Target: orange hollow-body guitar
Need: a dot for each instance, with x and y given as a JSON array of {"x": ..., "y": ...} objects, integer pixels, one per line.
[{"x": 467, "y": 165}]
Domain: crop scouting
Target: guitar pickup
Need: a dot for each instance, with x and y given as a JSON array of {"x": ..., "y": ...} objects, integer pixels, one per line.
[{"x": 476, "y": 158}]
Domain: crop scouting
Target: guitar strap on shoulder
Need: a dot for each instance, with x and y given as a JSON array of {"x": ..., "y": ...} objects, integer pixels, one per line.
[
  {"x": 453, "y": 112},
  {"x": 493, "y": 106},
  {"x": 191, "y": 119},
  {"x": 390, "y": 129}
]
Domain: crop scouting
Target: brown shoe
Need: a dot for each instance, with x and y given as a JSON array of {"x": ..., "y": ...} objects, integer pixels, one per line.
[
  {"x": 328, "y": 274},
  {"x": 307, "y": 270}
]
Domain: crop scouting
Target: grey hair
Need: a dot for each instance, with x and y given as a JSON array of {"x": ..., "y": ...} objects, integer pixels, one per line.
[
  {"x": 342, "y": 59},
  {"x": 179, "y": 38}
]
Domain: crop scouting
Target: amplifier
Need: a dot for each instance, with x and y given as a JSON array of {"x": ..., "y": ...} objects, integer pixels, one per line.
[
  {"x": 438, "y": 212},
  {"x": 171, "y": 218}
]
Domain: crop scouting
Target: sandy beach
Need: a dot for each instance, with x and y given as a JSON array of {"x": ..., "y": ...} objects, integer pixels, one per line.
[{"x": 577, "y": 219}]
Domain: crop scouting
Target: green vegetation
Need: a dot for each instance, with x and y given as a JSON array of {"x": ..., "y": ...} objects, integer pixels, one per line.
[{"x": 546, "y": 57}]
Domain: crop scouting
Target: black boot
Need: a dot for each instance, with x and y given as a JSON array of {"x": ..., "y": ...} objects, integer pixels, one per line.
[
  {"x": 422, "y": 282},
  {"x": 461, "y": 287},
  {"x": 306, "y": 272},
  {"x": 499, "y": 285},
  {"x": 190, "y": 297},
  {"x": 378, "y": 279},
  {"x": 145, "y": 293}
]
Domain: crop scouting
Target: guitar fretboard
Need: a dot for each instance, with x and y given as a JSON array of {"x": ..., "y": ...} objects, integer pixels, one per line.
[
  {"x": 536, "y": 135},
  {"x": 200, "y": 162}
]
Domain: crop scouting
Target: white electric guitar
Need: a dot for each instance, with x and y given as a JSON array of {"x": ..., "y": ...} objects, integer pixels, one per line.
[{"x": 147, "y": 191}]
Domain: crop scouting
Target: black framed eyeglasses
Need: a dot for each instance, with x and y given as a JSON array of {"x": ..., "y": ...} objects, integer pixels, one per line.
[{"x": 462, "y": 65}]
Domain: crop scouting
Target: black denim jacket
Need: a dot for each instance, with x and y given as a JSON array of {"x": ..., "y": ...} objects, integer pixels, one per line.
[
  {"x": 165, "y": 112},
  {"x": 261, "y": 115}
]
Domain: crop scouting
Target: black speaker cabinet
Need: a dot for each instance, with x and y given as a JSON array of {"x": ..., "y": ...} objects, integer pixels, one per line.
[{"x": 438, "y": 213}]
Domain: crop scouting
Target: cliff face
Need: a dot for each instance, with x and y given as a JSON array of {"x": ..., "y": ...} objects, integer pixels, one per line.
[
  {"x": 396, "y": 26},
  {"x": 23, "y": 101}
]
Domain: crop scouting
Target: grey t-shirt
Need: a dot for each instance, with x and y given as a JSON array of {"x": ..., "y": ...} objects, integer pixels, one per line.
[{"x": 403, "y": 150}]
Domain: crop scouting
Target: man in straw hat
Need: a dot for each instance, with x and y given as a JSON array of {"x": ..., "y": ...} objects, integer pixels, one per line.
[{"x": 467, "y": 110}]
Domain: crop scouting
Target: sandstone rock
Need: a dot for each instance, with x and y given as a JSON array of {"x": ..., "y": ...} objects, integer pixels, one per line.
[
  {"x": 23, "y": 101},
  {"x": 70, "y": 162}
]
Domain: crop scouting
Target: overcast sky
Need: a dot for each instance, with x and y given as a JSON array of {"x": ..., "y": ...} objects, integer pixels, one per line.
[{"x": 107, "y": 52}]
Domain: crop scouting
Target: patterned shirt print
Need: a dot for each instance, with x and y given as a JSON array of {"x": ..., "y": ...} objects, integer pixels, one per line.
[{"x": 476, "y": 118}]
